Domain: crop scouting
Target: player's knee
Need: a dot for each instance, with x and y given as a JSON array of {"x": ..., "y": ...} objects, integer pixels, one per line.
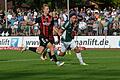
[
  {"x": 52, "y": 49},
  {"x": 77, "y": 50},
  {"x": 39, "y": 50},
  {"x": 62, "y": 54}
]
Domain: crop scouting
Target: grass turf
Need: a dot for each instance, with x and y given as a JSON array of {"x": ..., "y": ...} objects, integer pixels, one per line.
[{"x": 103, "y": 65}]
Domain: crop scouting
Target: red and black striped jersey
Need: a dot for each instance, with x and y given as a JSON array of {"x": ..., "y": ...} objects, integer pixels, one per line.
[{"x": 46, "y": 26}]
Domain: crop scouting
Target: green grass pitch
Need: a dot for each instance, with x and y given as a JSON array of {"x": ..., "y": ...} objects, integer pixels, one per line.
[{"x": 103, "y": 65}]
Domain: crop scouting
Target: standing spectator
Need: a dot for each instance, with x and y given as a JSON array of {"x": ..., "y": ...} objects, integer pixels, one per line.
[
  {"x": 55, "y": 19},
  {"x": 61, "y": 21},
  {"x": 105, "y": 27},
  {"x": 90, "y": 26},
  {"x": 36, "y": 29},
  {"x": 12, "y": 24},
  {"x": 95, "y": 27},
  {"x": 65, "y": 16}
]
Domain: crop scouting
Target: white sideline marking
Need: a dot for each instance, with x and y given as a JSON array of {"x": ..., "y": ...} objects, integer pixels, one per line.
[{"x": 20, "y": 60}]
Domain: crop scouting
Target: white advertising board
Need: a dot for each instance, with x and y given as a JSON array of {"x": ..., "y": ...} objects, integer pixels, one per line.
[
  {"x": 98, "y": 41},
  {"x": 81, "y": 41},
  {"x": 31, "y": 41},
  {"x": 10, "y": 41}
]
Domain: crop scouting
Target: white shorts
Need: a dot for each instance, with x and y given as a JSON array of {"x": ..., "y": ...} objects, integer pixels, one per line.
[{"x": 65, "y": 45}]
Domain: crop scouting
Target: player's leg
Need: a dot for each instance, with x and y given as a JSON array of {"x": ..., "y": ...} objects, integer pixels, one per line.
[
  {"x": 43, "y": 42},
  {"x": 46, "y": 43},
  {"x": 63, "y": 50},
  {"x": 77, "y": 51},
  {"x": 69, "y": 51},
  {"x": 40, "y": 50},
  {"x": 46, "y": 51},
  {"x": 49, "y": 53},
  {"x": 44, "y": 54},
  {"x": 51, "y": 47},
  {"x": 32, "y": 49},
  {"x": 24, "y": 48}
]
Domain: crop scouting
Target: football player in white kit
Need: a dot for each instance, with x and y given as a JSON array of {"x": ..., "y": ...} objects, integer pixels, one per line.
[{"x": 67, "y": 38}]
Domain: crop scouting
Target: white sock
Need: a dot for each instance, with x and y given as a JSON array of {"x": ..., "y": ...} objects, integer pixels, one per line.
[{"x": 79, "y": 58}]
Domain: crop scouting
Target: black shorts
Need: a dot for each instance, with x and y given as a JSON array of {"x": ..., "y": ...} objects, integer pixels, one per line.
[{"x": 44, "y": 41}]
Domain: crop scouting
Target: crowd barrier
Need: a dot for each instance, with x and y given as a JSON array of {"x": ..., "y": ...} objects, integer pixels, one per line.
[{"x": 16, "y": 42}]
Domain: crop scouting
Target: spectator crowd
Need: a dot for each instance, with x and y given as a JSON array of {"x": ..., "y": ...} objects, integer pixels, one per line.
[{"x": 91, "y": 22}]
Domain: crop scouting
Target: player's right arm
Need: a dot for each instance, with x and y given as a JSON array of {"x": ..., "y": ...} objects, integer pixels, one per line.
[{"x": 38, "y": 20}]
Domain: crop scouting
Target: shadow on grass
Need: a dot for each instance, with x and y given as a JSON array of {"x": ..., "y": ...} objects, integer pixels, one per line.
[
  {"x": 17, "y": 75},
  {"x": 69, "y": 75}
]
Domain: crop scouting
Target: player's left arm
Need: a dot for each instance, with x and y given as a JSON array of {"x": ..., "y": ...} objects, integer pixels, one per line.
[{"x": 75, "y": 29}]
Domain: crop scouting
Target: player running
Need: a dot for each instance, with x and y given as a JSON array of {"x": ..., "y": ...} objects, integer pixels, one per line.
[
  {"x": 46, "y": 35},
  {"x": 67, "y": 39}
]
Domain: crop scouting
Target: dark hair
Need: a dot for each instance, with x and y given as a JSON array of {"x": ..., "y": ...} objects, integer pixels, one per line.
[
  {"x": 44, "y": 5},
  {"x": 72, "y": 13},
  {"x": 80, "y": 17}
]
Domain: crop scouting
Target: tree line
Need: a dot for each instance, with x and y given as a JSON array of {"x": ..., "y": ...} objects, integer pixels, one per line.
[{"x": 62, "y": 3}]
